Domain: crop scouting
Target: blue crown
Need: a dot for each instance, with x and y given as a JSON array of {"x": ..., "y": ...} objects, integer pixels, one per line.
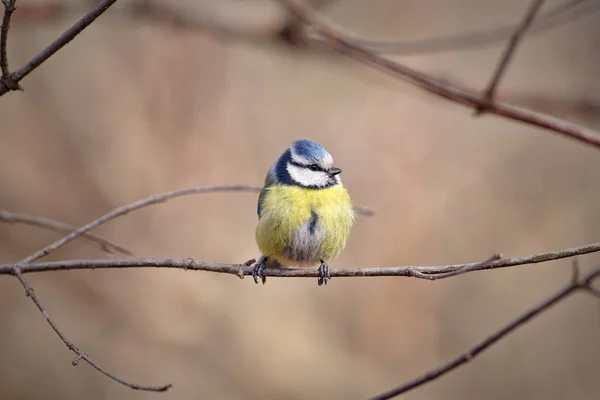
[{"x": 310, "y": 150}]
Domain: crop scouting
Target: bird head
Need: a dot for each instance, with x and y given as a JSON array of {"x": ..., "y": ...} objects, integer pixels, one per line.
[{"x": 307, "y": 164}]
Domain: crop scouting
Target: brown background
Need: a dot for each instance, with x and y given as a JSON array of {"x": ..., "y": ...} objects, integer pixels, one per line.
[{"x": 135, "y": 106}]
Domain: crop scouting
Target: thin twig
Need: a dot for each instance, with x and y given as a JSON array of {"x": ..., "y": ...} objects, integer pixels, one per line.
[
  {"x": 511, "y": 48},
  {"x": 561, "y": 14},
  {"x": 433, "y": 85},
  {"x": 421, "y": 272},
  {"x": 61, "y": 227},
  {"x": 154, "y": 199},
  {"x": 489, "y": 341},
  {"x": 80, "y": 355},
  {"x": 59, "y": 43},
  {"x": 575, "y": 270},
  {"x": 9, "y": 9}
]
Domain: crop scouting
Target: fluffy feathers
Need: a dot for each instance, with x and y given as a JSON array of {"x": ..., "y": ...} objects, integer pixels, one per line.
[{"x": 305, "y": 214}]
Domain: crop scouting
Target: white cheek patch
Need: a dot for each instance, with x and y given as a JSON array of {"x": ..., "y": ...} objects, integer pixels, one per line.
[{"x": 306, "y": 177}]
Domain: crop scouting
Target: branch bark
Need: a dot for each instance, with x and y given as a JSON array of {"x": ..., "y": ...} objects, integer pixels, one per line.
[
  {"x": 6, "y": 78},
  {"x": 421, "y": 272}
]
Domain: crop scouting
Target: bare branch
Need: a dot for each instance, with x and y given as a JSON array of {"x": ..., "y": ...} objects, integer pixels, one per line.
[
  {"x": 65, "y": 38},
  {"x": 61, "y": 227},
  {"x": 489, "y": 341},
  {"x": 6, "y": 79},
  {"x": 433, "y": 85},
  {"x": 9, "y": 8},
  {"x": 421, "y": 272},
  {"x": 154, "y": 199},
  {"x": 80, "y": 355},
  {"x": 511, "y": 48}
]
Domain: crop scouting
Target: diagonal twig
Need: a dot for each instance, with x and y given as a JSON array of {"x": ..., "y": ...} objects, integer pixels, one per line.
[
  {"x": 80, "y": 355},
  {"x": 154, "y": 199},
  {"x": 445, "y": 90},
  {"x": 510, "y": 49},
  {"x": 61, "y": 227},
  {"x": 53, "y": 47},
  {"x": 474, "y": 351}
]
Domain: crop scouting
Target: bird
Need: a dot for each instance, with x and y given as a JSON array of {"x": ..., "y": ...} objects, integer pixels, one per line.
[{"x": 304, "y": 212}]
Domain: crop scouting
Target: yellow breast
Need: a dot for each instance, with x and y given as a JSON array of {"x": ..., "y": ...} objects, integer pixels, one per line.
[{"x": 284, "y": 231}]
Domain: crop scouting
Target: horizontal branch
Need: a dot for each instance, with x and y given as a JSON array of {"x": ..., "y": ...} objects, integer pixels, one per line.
[
  {"x": 61, "y": 227},
  {"x": 421, "y": 272}
]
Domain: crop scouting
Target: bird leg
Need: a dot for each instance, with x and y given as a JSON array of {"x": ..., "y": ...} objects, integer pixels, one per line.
[
  {"x": 258, "y": 269},
  {"x": 324, "y": 274}
]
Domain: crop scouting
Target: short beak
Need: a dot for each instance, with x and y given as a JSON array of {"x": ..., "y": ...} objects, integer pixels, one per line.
[{"x": 334, "y": 171}]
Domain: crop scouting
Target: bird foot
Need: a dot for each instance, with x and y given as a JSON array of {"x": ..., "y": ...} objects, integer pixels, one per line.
[
  {"x": 258, "y": 270},
  {"x": 324, "y": 274}
]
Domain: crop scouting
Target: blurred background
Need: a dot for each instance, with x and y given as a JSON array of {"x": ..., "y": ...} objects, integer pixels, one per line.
[{"x": 163, "y": 95}]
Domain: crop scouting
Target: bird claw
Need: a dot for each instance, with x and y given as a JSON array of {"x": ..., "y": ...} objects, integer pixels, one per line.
[
  {"x": 324, "y": 274},
  {"x": 258, "y": 270}
]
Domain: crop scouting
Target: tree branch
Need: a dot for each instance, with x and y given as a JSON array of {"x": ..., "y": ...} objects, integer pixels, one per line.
[
  {"x": 80, "y": 355},
  {"x": 512, "y": 47},
  {"x": 421, "y": 272},
  {"x": 9, "y": 8},
  {"x": 59, "y": 43},
  {"x": 474, "y": 351},
  {"x": 6, "y": 79},
  {"x": 154, "y": 199},
  {"x": 61, "y": 227},
  {"x": 451, "y": 92}
]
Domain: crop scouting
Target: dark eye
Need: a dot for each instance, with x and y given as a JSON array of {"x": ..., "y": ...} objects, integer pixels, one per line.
[{"x": 314, "y": 167}]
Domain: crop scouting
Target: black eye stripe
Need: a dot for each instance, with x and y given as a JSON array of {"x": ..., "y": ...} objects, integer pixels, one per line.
[{"x": 312, "y": 167}]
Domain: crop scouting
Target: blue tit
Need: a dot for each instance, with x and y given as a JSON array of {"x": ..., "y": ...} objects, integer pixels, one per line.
[{"x": 304, "y": 212}]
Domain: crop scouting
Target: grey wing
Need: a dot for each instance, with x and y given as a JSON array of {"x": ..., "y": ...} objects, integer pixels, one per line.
[{"x": 270, "y": 180}]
